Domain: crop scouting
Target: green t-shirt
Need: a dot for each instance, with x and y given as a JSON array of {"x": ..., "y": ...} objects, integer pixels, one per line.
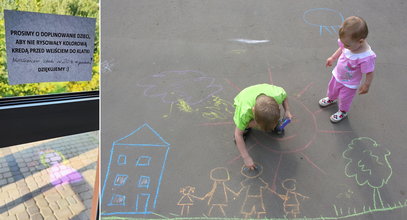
[{"x": 246, "y": 99}]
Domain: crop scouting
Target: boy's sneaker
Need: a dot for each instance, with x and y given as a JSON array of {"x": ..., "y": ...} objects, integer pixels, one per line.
[
  {"x": 326, "y": 102},
  {"x": 338, "y": 116}
]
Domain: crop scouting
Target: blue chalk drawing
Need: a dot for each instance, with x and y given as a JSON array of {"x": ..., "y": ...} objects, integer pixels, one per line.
[
  {"x": 142, "y": 199},
  {"x": 332, "y": 29},
  {"x": 117, "y": 200},
  {"x": 120, "y": 179},
  {"x": 121, "y": 160},
  {"x": 143, "y": 161},
  {"x": 132, "y": 185},
  {"x": 144, "y": 182}
]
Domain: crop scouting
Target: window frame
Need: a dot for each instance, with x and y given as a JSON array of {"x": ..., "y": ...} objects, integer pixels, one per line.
[{"x": 34, "y": 118}]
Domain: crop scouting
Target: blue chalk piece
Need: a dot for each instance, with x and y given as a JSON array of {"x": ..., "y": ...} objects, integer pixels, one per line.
[{"x": 284, "y": 123}]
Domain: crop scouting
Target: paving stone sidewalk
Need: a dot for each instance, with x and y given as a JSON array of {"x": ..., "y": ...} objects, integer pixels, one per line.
[{"x": 50, "y": 179}]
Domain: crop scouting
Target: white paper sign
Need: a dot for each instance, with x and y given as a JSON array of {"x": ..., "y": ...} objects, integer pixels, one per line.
[{"x": 48, "y": 48}]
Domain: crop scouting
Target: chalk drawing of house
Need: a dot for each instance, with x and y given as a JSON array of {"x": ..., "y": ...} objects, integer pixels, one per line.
[{"x": 134, "y": 173}]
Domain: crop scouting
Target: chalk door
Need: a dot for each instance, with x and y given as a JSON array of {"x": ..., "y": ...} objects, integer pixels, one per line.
[{"x": 142, "y": 202}]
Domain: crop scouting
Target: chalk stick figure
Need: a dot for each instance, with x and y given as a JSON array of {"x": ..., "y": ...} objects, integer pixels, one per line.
[
  {"x": 186, "y": 200},
  {"x": 218, "y": 196},
  {"x": 291, "y": 203},
  {"x": 254, "y": 186}
]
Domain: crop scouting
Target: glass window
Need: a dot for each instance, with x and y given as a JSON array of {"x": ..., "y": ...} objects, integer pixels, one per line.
[{"x": 83, "y": 8}]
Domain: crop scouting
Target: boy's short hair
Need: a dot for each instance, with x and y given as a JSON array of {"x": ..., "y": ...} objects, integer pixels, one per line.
[
  {"x": 266, "y": 112},
  {"x": 355, "y": 27}
]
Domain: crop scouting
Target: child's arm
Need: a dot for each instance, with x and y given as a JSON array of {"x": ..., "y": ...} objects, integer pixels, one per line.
[
  {"x": 334, "y": 57},
  {"x": 365, "y": 87},
  {"x": 241, "y": 146},
  {"x": 283, "y": 197},
  {"x": 303, "y": 197},
  {"x": 287, "y": 109}
]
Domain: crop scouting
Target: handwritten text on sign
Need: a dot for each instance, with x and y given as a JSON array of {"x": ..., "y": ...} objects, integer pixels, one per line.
[{"x": 48, "y": 47}]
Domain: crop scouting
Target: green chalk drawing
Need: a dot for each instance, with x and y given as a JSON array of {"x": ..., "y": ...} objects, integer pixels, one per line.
[
  {"x": 164, "y": 217},
  {"x": 372, "y": 168},
  {"x": 48, "y": 161},
  {"x": 303, "y": 218},
  {"x": 336, "y": 210}
]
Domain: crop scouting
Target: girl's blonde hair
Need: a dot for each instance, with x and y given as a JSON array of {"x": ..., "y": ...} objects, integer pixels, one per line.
[
  {"x": 355, "y": 27},
  {"x": 266, "y": 112}
]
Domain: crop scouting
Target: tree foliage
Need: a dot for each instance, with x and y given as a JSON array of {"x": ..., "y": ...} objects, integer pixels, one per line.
[
  {"x": 367, "y": 162},
  {"x": 83, "y": 8}
]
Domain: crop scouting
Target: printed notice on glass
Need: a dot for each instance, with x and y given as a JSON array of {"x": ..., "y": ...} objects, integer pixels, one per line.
[{"x": 48, "y": 48}]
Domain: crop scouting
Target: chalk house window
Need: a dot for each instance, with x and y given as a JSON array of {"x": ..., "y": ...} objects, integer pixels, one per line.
[
  {"x": 118, "y": 200},
  {"x": 121, "y": 160},
  {"x": 143, "y": 161},
  {"x": 120, "y": 179},
  {"x": 144, "y": 182}
]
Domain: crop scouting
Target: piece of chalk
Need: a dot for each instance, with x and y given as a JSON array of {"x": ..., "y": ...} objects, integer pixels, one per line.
[{"x": 285, "y": 123}]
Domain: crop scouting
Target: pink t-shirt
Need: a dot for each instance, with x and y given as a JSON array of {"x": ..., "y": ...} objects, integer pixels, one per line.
[{"x": 351, "y": 66}]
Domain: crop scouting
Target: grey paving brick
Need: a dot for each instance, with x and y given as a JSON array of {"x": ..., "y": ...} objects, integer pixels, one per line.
[
  {"x": 21, "y": 184},
  {"x": 62, "y": 203},
  {"x": 46, "y": 211},
  {"x": 7, "y": 174},
  {"x": 32, "y": 185},
  {"x": 30, "y": 203},
  {"x": 4, "y": 169},
  {"x": 83, "y": 215},
  {"x": 77, "y": 208},
  {"x": 3, "y": 182},
  {"x": 88, "y": 203},
  {"x": 27, "y": 159},
  {"x": 27, "y": 173},
  {"x": 33, "y": 210},
  {"x": 71, "y": 200},
  {"x": 41, "y": 202},
  {"x": 22, "y": 164},
  {"x": 86, "y": 195},
  {"x": 16, "y": 210},
  {"x": 53, "y": 206},
  {"x": 36, "y": 217},
  {"x": 81, "y": 188},
  {"x": 24, "y": 169},
  {"x": 11, "y": 217},
  {"x": 10, "y": 180},
  {"x": 62, "y": 213},
  {"x": 22, "y": 215},
  {"x": 50, "y": 217},
  {"x": 14, "y": 193}
]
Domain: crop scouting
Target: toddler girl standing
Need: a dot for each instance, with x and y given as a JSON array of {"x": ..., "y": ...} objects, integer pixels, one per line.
[{"x": 355, "y": 59}]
